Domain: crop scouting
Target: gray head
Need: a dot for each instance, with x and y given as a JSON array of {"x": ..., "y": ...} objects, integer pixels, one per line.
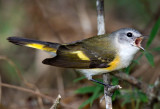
[{"x": 129, "y": 37}]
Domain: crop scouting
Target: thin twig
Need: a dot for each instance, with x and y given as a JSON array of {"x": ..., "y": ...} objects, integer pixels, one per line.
[
  {"x": 33, "y": 92},
  {"x": 0, "y": 90},
  {"x": 39, "y": 3},
  {"x": 107, "y": 94},
  {"x": 27, "y": 90},
  {"x": 100, "y": 17},
  {"x": 152, "y": 93},
  {"x": 113, "y": 88},
  {"x": 39, "y": 99},
  {"x": 56, "y": 102},
  {"x": 130, "y": 79},
  {"x": 83, "y": 16},
  {"x": 45, "y": 16},
  {"x": 14, "y": 66},
  {"x": 60, "y": 84},
  {"x": 101, "y": 30},
  {"x": 102, "y": 99},
  {"x": 25, "y": 82},
  {"x": 18, "y": 72}
]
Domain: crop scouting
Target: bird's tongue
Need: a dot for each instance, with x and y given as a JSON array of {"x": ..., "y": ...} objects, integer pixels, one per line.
[{"x": 138, "y": 42}]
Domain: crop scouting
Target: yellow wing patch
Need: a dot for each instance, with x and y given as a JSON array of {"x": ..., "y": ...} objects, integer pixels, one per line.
[
  {"x": 41, "y": 47},
  {"x": 113, "y": 65},
  {"x": 81, "y": 55}
]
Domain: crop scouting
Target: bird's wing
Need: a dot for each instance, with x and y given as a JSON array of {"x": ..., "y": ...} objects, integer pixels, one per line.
[{"x": 89, "y": 53}]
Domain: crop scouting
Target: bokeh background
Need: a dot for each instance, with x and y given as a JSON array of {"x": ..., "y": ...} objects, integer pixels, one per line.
[{"x": 65, "y": 21}]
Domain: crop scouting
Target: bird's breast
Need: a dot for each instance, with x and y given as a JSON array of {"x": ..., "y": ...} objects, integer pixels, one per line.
[{"x": 126, "y": 56}]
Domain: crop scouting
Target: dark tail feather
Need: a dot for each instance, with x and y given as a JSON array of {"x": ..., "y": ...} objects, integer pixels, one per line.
[{"x": 46, "y": 46}]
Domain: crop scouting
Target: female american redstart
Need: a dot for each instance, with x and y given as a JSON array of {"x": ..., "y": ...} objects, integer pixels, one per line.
[{"x": 93, "y": 56}]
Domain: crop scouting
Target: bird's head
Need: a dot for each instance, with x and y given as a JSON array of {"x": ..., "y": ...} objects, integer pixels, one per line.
[{"x": 129, "y": 37}]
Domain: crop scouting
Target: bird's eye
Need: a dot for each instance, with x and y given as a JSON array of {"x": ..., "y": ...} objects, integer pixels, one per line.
[{"x": 129, "y": 34}]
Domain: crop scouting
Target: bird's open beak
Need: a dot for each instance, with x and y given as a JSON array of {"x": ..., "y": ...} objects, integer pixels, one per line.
[{"x": 138, "y": 41}]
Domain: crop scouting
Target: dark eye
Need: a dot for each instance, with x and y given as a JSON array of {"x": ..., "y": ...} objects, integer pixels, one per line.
[{"x": 129, "y": 34}]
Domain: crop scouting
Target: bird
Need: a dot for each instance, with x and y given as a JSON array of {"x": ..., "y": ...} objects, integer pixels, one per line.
[{"x": 92, "y": 56}]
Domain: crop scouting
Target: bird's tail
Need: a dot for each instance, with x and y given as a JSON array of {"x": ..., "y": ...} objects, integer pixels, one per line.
[{"x": 45, "y": 46}]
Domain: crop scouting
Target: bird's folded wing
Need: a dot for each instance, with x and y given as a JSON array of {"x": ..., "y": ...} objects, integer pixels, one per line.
[{"x": 82, "y": 55}]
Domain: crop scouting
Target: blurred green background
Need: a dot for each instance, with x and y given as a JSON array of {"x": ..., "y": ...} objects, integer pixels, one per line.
[{"x": 66, "y": 21}]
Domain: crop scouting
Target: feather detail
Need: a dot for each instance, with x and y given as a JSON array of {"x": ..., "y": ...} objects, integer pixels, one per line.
[{"x": 45, "y": 46}]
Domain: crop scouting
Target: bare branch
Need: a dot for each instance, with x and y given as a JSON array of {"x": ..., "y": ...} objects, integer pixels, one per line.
[
  {"x": 18, "y": 72},
  {"x": 106, "y": 77},
  {"x": 107, "y": 94},
  {"x": 33, "y": 92},
  {"x": 25, "y": 82},
  {"x": 132, "y": 80},
  {"x": 100, "y": 17},
  {"x": 153, "y": 93},
  {"x": 0, "y": 90},
  {"x": 113, "y": 88},
  {"x": 27, "y": 90},
  {"x": 39, "y": 99},
  {"x": 56, "y": 102},
  {"x": 13, "y": 65}
]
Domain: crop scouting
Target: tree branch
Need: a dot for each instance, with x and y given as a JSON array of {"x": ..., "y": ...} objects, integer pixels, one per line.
[
  {"x": 153, "y": 93},
  {"x": 56, "y": 102},
  {"x": 34, "y": 93},
  {"x": 101, "y": 30},
  {"x": 106, "y": 77},
  {"x": 100, "y": 17},
  {"x": 132, "y": 80},
  {"x": 27, "y": 90}
]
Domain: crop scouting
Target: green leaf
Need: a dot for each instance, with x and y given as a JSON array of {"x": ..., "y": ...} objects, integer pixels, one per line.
[
  {"x": 96, "y": 94},
  {"x": 136, "y": 61},
  {"x": 153, "y": 32},
  {"x": 128, "y": 69},
  {"x": 127, "y": 98},
  {"x": 84, "y": 103},
  {"x": 133, "y": 95},
  {"x": 89, "y": 100},
  {"x": 156, "y": 49},
  {"x": 84, "y": 90},
  {"x": 149, "y": 57},
  {"x": 156, "y": 106},
  {"x": 142, "y": 97},
  {"x": 79, "y": 79},
  {"x": 137, "y": 104},
  {"x": 115, "y": 94},
  {"x": 115, "y": 80}
]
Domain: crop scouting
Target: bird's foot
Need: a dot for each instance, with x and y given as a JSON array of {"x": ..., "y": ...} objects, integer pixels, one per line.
[{"x": 110, "y": 88}]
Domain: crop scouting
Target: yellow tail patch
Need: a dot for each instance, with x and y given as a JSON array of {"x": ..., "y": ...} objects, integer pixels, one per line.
[
  {"x": 41, "y": 47},
  {"x": 113, "y": 65}
]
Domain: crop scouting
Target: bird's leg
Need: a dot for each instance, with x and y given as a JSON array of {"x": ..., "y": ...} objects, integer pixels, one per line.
[
  {"x": 99, "y": 82},
  {"x": 107, "y": 85}
]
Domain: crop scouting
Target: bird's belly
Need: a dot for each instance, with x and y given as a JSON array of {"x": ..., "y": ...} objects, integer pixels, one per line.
[
  {"x": 90, "y": 72},
  {"x": 116, "y": 64}
]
